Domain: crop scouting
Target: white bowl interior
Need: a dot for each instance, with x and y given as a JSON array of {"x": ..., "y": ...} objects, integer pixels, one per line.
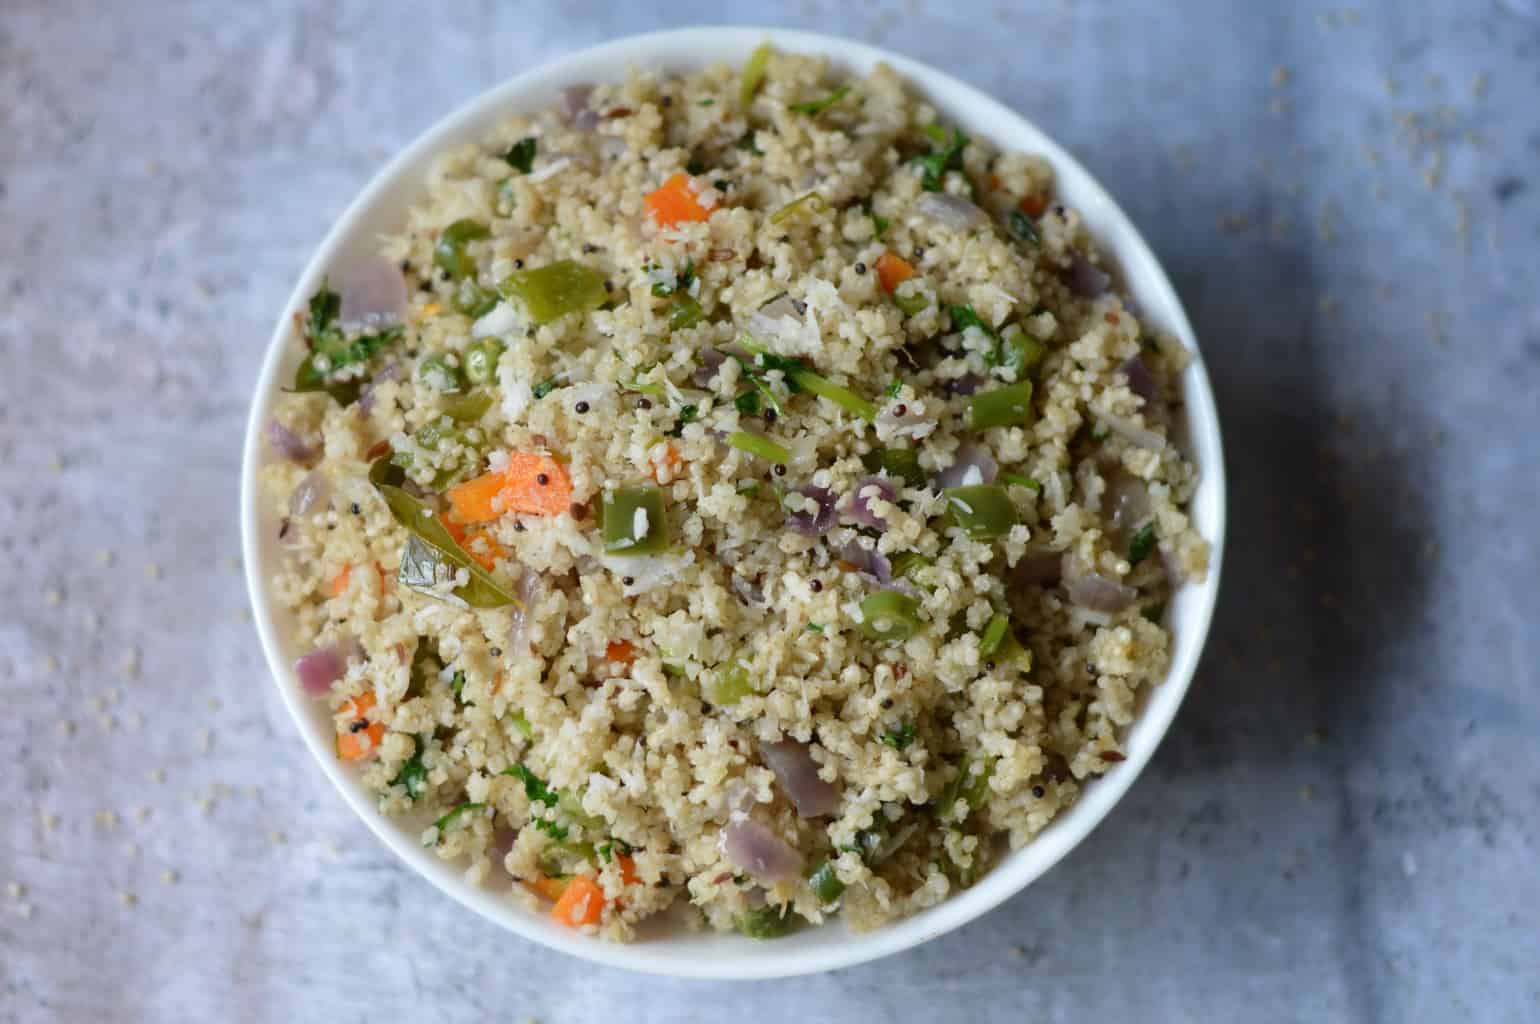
[{"x": 703, "y": 954}]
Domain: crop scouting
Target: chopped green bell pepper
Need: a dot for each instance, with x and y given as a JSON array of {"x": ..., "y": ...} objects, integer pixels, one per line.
[
  {"x": 983, "y": 510},
  {"x": 553, "y": 291}
]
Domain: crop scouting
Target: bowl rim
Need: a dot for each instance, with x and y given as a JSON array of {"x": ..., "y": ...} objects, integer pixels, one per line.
[{"x": 694, "y": 47}]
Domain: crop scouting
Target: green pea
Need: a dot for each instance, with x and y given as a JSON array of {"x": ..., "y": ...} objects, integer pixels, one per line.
[
  {"x": 1003, "y": 407},
  {"x": 634, "y": 521},
  {"x": 982, "y": 510},
  {"x": 449, "y": 254},
  {"x": 889, "y": 615},
  {"x": 472, "y": 300},
  {"x": 480, "y": 360},
  {"x": 436, "y": 373}
]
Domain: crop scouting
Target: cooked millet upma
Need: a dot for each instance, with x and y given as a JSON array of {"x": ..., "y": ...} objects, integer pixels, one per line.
[{"x": 740, "y": 493}]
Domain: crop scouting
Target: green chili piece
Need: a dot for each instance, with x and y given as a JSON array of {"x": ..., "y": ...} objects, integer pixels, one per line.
[
  {"x": 909, "y": 300},
  {"x": 758, "y": 445},
  {"x": 727, "y": 685},
  {"x": 472, "y": 300},
  {"x": 1020, "y": 351},
  {"x": 766, "y": 922},
  {"x": 449, "y": 254},
  {"x": 684, "y": 311},
  {"x": 889, "y": 615},
  {"x": 1021, "y": 480},
  {"x": 841, "y": 396},
  {"x": 480, "y": 360},
  {"x": 468, "y": 408},
  {"x": 553, "y": 291},
  {"x": 903, "y": 463},
  {"x": 812, "y": 201},
  {"x": 635, "y": 522},
  {"x": 1009, "y": 406},
  {"x": 906, "y": 563},
  {"x": 826, "y": 884},
  {"x": 753, "y": 73},
  {"x": 982, "y": 510},
  {"x": 435, "y": 372},
  {"x": 994, "y": 635}
]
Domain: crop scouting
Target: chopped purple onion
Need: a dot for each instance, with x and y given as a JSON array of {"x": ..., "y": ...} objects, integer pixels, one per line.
[
  {"x": 747, "y": 590},
  {"x": 1093, "y": 590},
  {"x": 816, "y": 523},
  {"x": 753, "y": 848},
  {"x": 529, "y": 589},
  {"x": 973, "y": 464},
  {"x": 868, "y": 560},
  {"x": 783, "y": 305},
  {"x": 289, "y": 444},
  {"x": 1140, "y": 380},
  {"x": 319, "y": 670},
  {"x": 1126, "y": 503},
  {"x": 861, "y": 503},
  {"x": 797, "y": 773},
  {"x": 366, "y": 397},
  {"x": 1132, "y": 432},
  {"x": 574, "y": 106},
  {"x": 373, "y": 294},
  {"x": 309, "y": 495},
  {"x": 1086, "y": 279},
  {"x": 950, "y": 211},
  {"x": 1038, "y": 568},
  {"x": 711, "y": 361},
  {"x": 963, "y": 386}
]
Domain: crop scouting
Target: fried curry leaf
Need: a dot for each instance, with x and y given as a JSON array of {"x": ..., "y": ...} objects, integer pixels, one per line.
[{"x": 431, "y": 546}]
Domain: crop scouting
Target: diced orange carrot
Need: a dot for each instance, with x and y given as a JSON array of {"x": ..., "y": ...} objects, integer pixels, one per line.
[
  {"x": 479, "y": 544},
  {"x": 1034, "y": 205},
  {"x": 532, "y": 484},
  {"x": 547, "y": 888},
  {"x": 471, "y": 502},
  {"x": 620, "y": 653},
  {"x": 893, "y": 270},
  {"x": 357, "y": 744},
  {"x": 581, "y": 903},
  {"x": 340, "y": 581},
  {"x": 627, "y": 869},
  {"x": 675, "y": 202},
  {"x": 537, "y": 484},
  {"x": 670, "y": 467}
]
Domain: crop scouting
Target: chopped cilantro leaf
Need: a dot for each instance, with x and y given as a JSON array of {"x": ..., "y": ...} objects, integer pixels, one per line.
[
  {"x": 521, "y": 155},
  {"x": 413, "y": 776},
  {"x": 899, "y": 738},
  {"x": 748, "y": 403},
  {"x": 814, "y": 627},
  {"x": 1022, "y": 227},
  {"x": 534, "y": 788},
  {"x": 947, "y": 157},
  {"x": 815, "y": 107},
  {"x": 894, "y": 388},
  {"x": 544, "y": 388},
  {"x": 1143, "y": 543}
]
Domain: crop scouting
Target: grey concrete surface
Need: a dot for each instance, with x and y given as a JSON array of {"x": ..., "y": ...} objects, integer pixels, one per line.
[{"x": 1343, "y": 822}]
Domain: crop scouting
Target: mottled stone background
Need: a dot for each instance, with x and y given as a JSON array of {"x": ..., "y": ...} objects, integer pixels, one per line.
[{"x": 1343, "y": 822}]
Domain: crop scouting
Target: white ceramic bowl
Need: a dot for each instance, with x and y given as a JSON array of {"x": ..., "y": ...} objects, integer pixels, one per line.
[{"x": 704, "y": 954}]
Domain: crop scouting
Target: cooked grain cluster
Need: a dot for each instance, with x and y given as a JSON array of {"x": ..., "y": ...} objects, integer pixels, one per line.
[{"x": 740, "y": 493}]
